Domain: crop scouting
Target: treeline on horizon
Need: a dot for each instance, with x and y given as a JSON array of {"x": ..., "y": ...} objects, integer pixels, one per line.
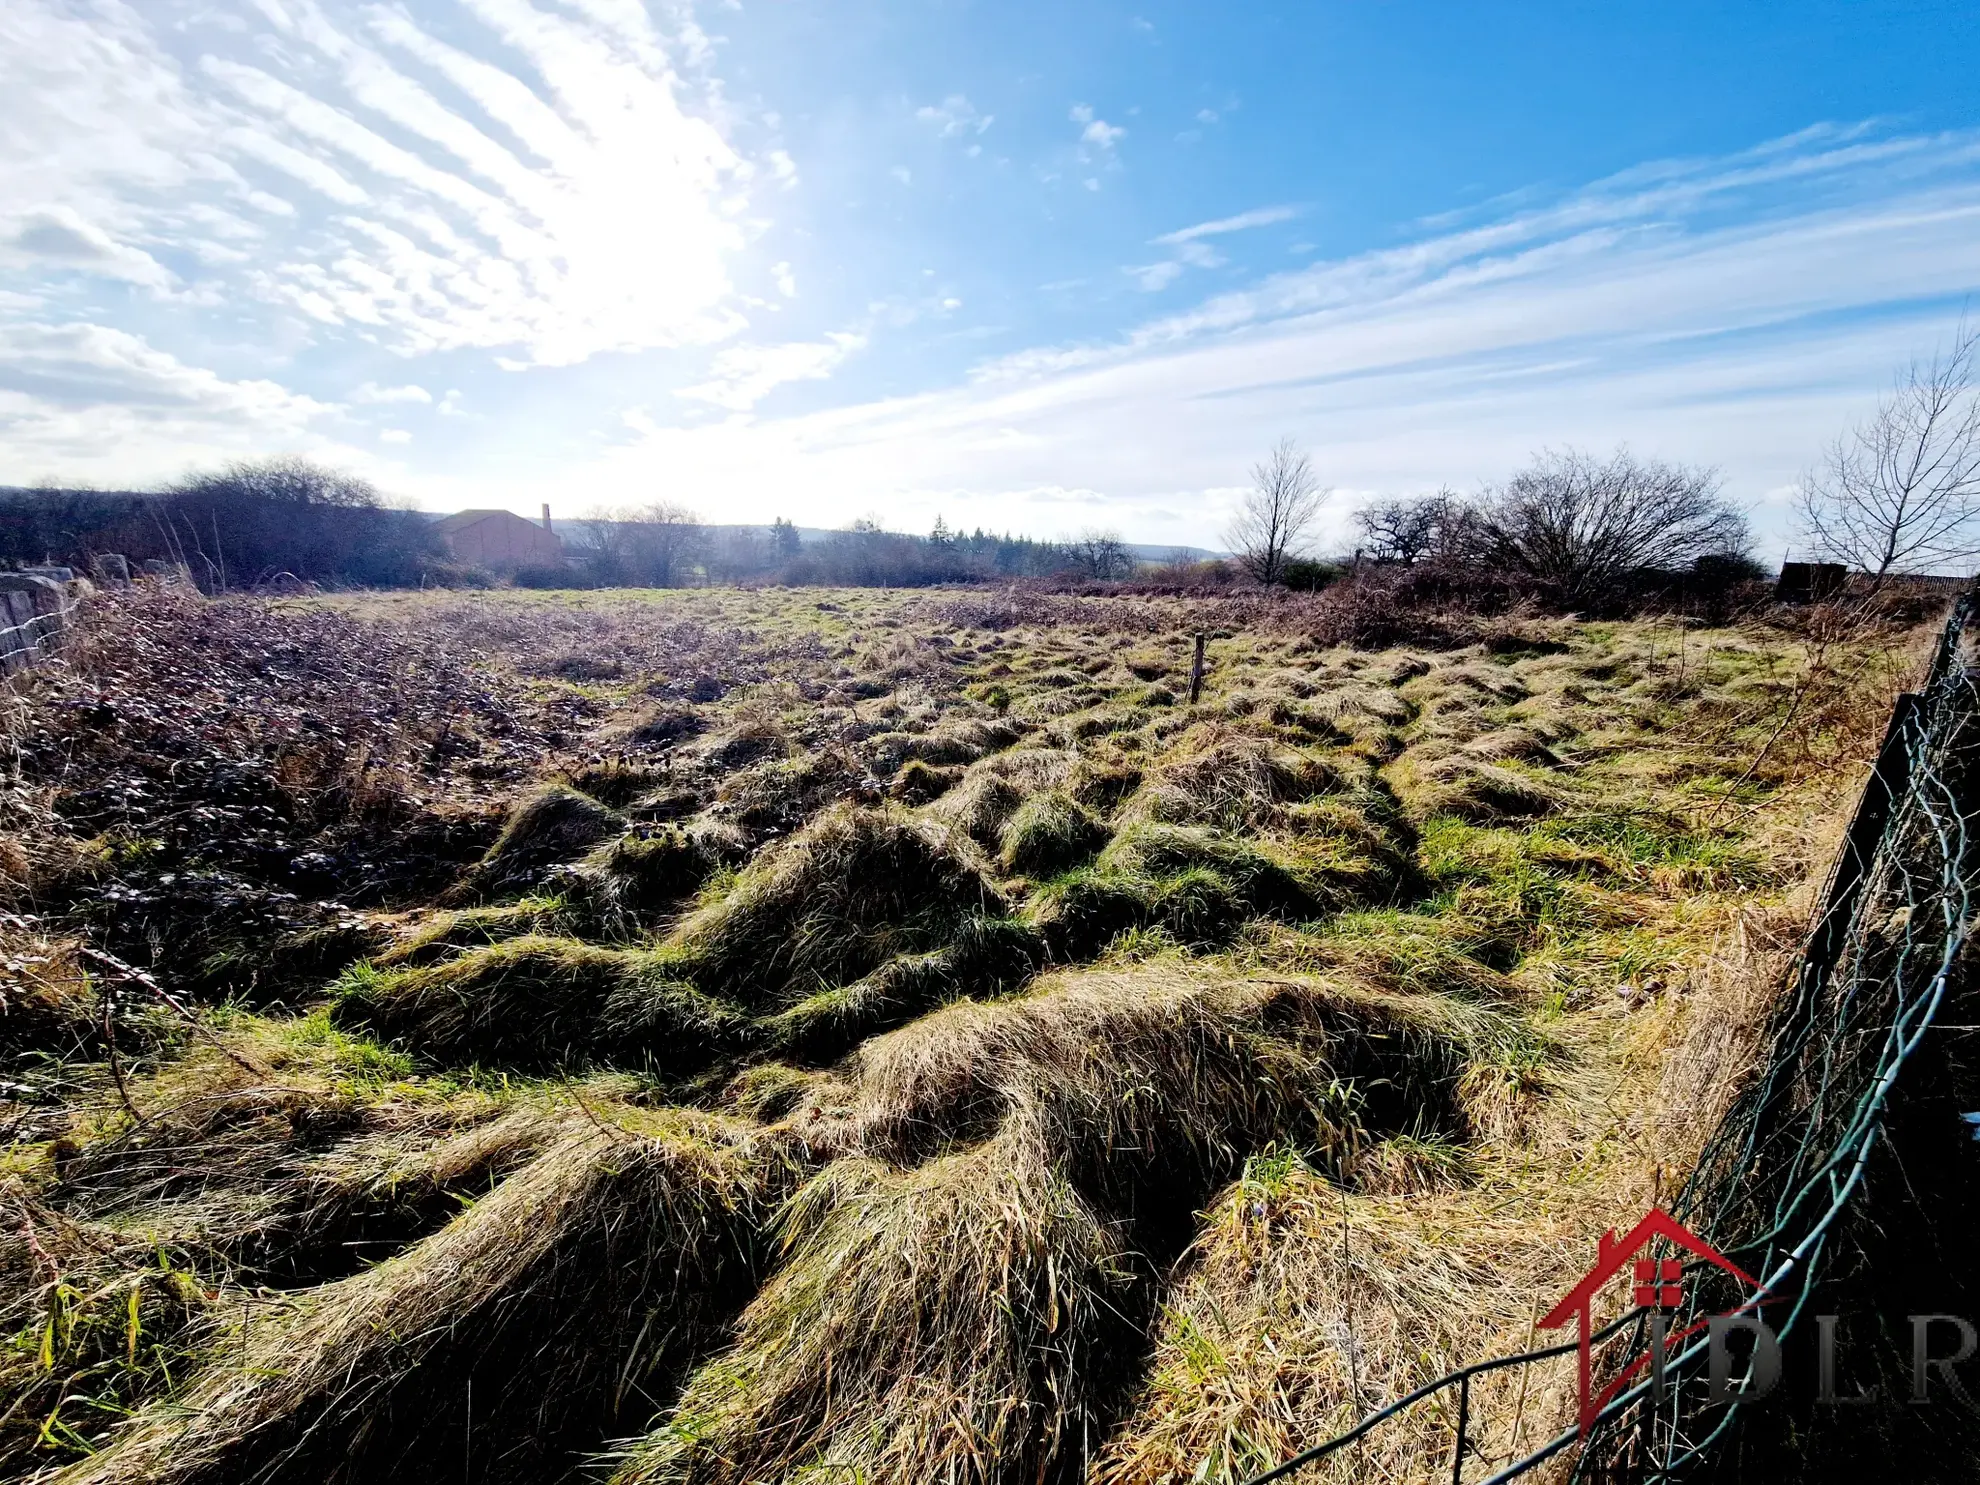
[
  {"x": 255, "y": 522},
  {"x": 1894, "y": 497},
  {"x": 1566, "y": 533}
]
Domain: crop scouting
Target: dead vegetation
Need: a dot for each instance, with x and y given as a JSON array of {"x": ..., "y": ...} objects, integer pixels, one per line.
[
  {"x": 568, "y": 1293},
  {"x": 744, "y": 1036}
]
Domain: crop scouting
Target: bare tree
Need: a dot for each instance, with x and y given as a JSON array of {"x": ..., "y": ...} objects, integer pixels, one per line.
[
  {"x": 602, "y": 545},
  {"x": 650, "y": 547},
  {"x": 666, "y": 541},
  {"x": 1273, "y": 519},
  {"x": 1588, "y": 525},
  {"x": 1901, "y": 492},
  {"x": 1100, "y": 554},
  {"x": 1405, "y": 531}
]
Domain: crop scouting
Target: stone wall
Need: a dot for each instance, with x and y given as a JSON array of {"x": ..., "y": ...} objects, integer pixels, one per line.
[{"x": 37, "y": 608}]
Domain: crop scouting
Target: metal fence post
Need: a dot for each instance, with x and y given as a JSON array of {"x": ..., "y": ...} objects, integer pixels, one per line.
[{"x": 1464, "y": 1420}]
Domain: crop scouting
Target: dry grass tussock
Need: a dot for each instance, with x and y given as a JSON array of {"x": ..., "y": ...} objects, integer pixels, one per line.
[
  {"x": 963, "y": 1289},
  {"x": 751, "y": 1034},
  {"x": 1304, "y": 1306},
  {"x": 567, "y": 1294}
]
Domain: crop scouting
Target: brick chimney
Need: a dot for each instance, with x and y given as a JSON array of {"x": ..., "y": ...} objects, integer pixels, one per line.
[{"x": 546, "y": 516}]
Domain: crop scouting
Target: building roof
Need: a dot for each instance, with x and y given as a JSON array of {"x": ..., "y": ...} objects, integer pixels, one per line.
[{"x": 464, "y": 518}]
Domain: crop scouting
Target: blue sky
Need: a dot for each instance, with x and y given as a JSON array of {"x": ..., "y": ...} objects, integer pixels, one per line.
[{"x": 1038, "y": 267}]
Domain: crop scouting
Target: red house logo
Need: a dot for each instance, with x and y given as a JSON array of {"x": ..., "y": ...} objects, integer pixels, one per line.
[{"x": 1657, "y": 1285}]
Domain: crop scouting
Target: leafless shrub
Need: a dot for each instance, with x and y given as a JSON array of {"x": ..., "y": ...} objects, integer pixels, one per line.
[
  {"x": 1901, "y": 492},
  {"x": 1587, "y": 526}
]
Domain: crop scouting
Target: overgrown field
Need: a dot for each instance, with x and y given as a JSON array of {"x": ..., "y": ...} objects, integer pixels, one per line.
[{"x": 713, "y": 1037}]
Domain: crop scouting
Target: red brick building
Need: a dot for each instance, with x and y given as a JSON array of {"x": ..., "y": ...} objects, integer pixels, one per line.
[{"x": 501, "y": 540}]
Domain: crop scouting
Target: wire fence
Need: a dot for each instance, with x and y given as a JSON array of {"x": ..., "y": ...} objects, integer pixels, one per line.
[
  {"x": 24, "y": 645},
  {"x": 1788, "y": 1160}
]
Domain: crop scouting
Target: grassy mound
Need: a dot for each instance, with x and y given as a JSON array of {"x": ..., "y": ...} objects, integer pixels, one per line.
[
  {"x": 1219, "y": 776},
  {"x": 568, "y": 1297},
  {"x": 1049, "y": 832},
  {"x": 1200, "y": 886},
  {"x": 988, "y": 956},
  {"x": 440, "y": 935},
  {"x": 974, "y": 1315},
  {"x": 961, "y": 1321},
  {"x": 991, "y": 791},
  {"x": 958, "y": 742},
  {"x": 1248, "y": 1366},
  {"x": 554, "y": 825},
  {"x": 616, "y": 783},
  {"x": 778, "y": 795},
  {"x": 287, "y": 1187},
  {"x": 852, "y": 890},
  {"x": 1158, "y": 1076},
  {"x": 627, "y": 880},
  {"x": 538, "y": 1002},
  {"x": 1463, "y": 785},
  {"x": 917, "y": 782}
]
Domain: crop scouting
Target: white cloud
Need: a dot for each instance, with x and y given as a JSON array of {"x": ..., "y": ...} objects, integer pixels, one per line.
[
  {"x": 1190, "y": 250},
  {"x": 59, "y": 238},
  {"x": 786, "y": 281},
  {"x": 1096, "y": 131},
  {"x": 371, "y": 392},
  {"x": 394, "y": 435},
  {"x": 90, "y": 401},
  {"x": 1097, "y": 141},
  {"x": 1151, "y": 277},
  {"x": 80, "y": 365},
  {"x": 1244, "y": 221},
  {"x": 1632, "y": 311},
  {"x": 451, "y": 404},
  {"x": 564, "y": 187},
  {"x": 744, "y": 375},
  {"x": 954, "y": 115}
]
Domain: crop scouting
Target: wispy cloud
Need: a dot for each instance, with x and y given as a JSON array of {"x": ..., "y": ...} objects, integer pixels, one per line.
[
  {"x": 1631, "y": 311},
  {"x": 371, "y": 392},
  {"x": 1244, "y": 221},
  {"x": 1191, "y": 250},
  {"x": 78, "y": 398},
  {"x": 954, "y": 115},
  {"x": 744, "y": 375},
  {"x": 58, "y": 238}
]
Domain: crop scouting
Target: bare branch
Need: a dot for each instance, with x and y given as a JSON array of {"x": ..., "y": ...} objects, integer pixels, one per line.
[
  {"x": 1587, "y": 525},
  {"x": 1405, "y": 531},
  {"x": 1272, "y": 521},
  {"x": 1901, "y": 492}
]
